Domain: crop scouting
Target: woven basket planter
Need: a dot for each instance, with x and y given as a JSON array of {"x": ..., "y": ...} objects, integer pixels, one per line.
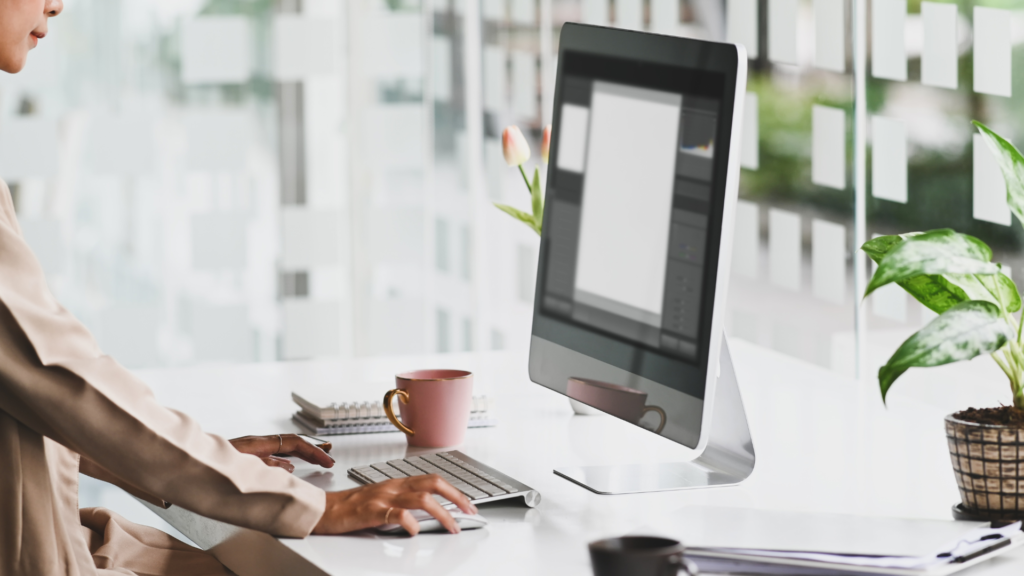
[{"x": 988, "y": 462}]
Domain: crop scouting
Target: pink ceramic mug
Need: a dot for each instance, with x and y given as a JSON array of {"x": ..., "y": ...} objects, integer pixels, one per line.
[{"x": 435, "y": 406}]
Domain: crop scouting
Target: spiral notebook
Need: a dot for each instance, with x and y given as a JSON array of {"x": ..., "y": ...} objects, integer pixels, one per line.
[{"x": 322, "y": 418}]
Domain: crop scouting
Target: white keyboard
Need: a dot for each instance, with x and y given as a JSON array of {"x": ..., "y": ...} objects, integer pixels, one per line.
[{"x": 479, "y": 482}]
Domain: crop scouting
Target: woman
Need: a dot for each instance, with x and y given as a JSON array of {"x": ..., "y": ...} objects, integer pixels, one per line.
[{"x": 66, "y": 408}]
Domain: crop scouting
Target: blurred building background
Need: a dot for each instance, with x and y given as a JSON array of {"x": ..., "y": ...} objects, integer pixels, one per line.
[{"x": 258, "y": 180}]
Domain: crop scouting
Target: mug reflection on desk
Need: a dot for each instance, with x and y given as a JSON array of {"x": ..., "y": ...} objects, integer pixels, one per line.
[{"x": 619, "y": 401}]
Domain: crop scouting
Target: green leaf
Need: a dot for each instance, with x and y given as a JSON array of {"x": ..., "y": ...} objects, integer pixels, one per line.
[
  {"x": 519, "y": 215},
  {"x": 936, "y": 252},
  {"x": 960, "y": 333},
  {"x": 877, "y": 248},
  {"x": 1012, "y": 164},
  {"x": 537, "y": 198},
  {"x": 941, "y": 292},
  {"x": 996, "y": 288}
]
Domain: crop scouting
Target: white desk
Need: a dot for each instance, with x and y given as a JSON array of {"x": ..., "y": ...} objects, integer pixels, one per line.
[{"x": 893, "y": 462}]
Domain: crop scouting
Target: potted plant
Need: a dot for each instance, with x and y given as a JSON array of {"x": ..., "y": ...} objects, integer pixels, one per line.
[{"x": 953, "y": 275}]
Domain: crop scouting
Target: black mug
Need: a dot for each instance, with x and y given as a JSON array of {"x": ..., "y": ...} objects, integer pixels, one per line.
[{"x": 639, "y": 556}]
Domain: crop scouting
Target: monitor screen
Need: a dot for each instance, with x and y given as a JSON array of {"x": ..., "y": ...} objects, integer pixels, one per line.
[{"x": 631, "y": 237}]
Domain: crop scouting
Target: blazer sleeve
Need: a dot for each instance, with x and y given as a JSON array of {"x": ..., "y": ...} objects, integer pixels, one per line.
[{"x": 55, "y": 380}]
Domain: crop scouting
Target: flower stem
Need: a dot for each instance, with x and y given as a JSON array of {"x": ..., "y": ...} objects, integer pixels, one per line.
[{"x": 525, "y": 179}]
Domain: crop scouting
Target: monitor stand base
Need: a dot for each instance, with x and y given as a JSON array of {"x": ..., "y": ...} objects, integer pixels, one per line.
[{"x": 728, "y": 458}]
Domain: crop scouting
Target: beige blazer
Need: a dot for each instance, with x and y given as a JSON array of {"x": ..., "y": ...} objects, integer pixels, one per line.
[{"x": 65, "y": 406}]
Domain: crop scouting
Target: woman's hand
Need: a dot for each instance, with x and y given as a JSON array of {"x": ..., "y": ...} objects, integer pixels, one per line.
[
  {"x": 368, "y": 506},
  {"x": 265, "y": 447}
]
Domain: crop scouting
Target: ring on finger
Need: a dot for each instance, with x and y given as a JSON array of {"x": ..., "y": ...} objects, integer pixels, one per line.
[
  {"x": 280, "y": 443},
  {"x": 388, "y": 514}
]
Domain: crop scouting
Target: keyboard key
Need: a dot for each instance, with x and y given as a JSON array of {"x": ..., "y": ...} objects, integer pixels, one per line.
[
  {"x": 460, "y": 471},
  {"x": 389, "y": 471},
  {"x": 406, "y": 468}
]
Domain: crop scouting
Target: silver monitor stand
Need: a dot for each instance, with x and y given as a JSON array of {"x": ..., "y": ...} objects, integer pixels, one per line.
[{"x": 728, "y": 458}]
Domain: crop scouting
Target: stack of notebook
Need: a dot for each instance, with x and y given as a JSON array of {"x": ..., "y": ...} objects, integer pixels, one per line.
[{"x": 366, "y": 417}]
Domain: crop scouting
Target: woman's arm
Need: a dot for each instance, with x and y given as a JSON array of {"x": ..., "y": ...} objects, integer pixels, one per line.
[{"x": 55, "y": 380}]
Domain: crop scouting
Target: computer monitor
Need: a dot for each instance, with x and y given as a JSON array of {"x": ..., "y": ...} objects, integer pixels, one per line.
[{"x": 635, "y": 252}]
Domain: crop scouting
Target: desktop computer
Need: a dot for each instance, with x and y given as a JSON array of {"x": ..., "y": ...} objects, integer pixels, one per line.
[{"x": 634, "y": 263}]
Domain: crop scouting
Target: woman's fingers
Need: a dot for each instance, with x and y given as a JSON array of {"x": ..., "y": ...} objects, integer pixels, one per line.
[
  {"x": 286, "y": 444},
  {"x": 424, "y": 501},
  {"x": 405, "y": 518},
  {"x": 367, "y": 506},
  {"x": 278, "y": 462},
  {"x": 436, "y": 485},
  {"x": 293, "y": 445}
]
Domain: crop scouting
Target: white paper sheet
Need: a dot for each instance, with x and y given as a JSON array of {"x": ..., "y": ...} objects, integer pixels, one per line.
[
  {"x": 830, "y": 35},
  {"x": 495, "y": 79},
  {"x": 309, "y": 238},
  {"x": 665, "y": 16},
  {"x": 828, "y": 147},
  {"x": 741, "y": 24},
  {"x": 311, "y": 329},
  {"x": 442, "y": 67},
  {"x": 939, "y": 58},
  {"x": 746, "y": 239},
  {"x": 303, "y": 47},
  {"x": 989, "y": 186},
  {"x": 28, "y": 148},
  {"x": 629, "y": 14},
  {"x": 595, "y": 12},
  {"x": 750, "y": 153},
  {"x": 782, "y": 33},
  {"x": 525, "y": 92},
  {"x": 216, "y": 50},
  {"x": 524, "y": 12},
  {"x": 888, "y": 44},
  {"x": 889, "y": 159},
  {"x": 572, "y": 140},
  {"x": 784, "y": 248},
  {"x": 828, "y": 261},
  {"x": 219, "y": 241},
  {"x": 795, "y": 532},
  {"x": 993, "y": 73}
]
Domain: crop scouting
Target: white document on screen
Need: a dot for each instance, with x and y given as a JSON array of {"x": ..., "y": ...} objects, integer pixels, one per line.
[{"x": 627, "y": 200}]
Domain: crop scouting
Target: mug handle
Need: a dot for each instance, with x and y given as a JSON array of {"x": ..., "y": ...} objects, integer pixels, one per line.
[
  {"x": 684, "y": 565},
  {"x": 660, "y": 412},
  {"x": 389, "y": 410}
]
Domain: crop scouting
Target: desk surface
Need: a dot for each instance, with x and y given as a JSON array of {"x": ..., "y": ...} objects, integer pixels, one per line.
[{"x": 891, "y": 462}]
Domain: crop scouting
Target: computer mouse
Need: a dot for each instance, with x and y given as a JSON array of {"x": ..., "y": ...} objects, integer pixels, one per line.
[{"x": 430, "y": 524}]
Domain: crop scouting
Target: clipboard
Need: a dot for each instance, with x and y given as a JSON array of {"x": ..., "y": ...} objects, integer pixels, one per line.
[{"x": 750, "y": 541}]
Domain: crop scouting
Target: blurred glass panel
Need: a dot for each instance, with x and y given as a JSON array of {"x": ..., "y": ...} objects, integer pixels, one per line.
[
  {"x": 964, "y": 62},
  {"x": 796, "y": 293}
]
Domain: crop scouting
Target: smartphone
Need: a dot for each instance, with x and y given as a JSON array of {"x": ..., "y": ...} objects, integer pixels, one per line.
[{"x": 324, "y": 445}]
